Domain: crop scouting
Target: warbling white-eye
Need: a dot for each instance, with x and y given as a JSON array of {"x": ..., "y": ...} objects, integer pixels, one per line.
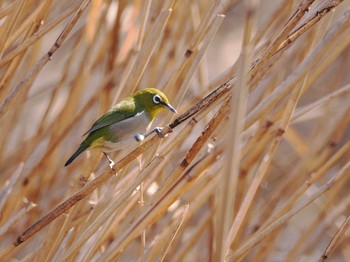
[{"x": 124, "y": 123}]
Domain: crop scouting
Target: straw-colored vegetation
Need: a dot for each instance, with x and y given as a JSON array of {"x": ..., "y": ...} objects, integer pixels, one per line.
[{"x": 255, "y": 165}]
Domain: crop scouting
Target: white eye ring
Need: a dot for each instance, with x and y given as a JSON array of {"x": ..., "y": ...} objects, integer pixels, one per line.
[{"x": 156, "y": 99}]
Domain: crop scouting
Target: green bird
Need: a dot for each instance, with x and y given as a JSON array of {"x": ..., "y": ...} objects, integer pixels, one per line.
[{"x": 124, "y": 123}]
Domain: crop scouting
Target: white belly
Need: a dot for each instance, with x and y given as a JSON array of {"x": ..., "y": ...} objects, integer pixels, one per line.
[{"x": 124, "y": 132}]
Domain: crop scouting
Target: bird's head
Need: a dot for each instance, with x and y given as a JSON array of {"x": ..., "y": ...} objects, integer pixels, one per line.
[{"x": 153, "y": 101}]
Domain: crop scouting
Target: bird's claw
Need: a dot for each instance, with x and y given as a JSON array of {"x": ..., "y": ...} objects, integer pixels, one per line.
[
  {"x": 111, "y": 164},
  {"x": 158, "y": 130}
]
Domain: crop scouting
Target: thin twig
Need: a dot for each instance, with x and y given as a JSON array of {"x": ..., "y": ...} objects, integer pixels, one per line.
[{"x": 336, "y": 239}]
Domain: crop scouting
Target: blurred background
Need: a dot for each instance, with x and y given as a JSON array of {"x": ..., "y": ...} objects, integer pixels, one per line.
[{"x": 294, "y": 145}]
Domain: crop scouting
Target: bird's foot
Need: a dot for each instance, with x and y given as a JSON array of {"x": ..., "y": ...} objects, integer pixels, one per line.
[
  {"x": 111, "y": 162},
  {"x": 157, "y": 130}
]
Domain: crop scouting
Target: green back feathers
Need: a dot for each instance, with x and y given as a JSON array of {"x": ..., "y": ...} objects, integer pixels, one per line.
[{"x": 124, "y": 109}]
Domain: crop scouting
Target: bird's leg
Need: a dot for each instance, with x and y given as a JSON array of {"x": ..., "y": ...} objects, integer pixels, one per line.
[
  {"x": 111, "y": 162},
  {"x": 157, "y": 130},
  {"x": 139, "y": 138}
]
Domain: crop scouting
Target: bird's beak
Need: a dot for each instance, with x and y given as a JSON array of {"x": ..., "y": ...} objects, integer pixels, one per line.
[{"x": 171, "y": 108}]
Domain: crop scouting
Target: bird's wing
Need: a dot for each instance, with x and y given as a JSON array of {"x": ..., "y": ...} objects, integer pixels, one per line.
[{"x": 123, "y": 110}]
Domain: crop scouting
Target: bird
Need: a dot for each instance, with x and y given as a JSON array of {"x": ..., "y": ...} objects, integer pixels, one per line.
[{"x": 127, "y": 121}]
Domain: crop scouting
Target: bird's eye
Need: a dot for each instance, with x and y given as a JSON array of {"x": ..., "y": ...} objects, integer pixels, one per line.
[{"x": 157, "y": 99}]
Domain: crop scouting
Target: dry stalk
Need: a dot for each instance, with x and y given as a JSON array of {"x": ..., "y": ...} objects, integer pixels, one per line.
[
  {"x": 146, "y": 51},
  {"x": 244, "y": 249},
  {"x": 238, "y": 110},
  {"x": 10, "y": 24},
  {"x": 175, "y": 231},
  {"x": 28, "y": 80},
  {"x": 336, "y": 239},
  {"x": 330, "y": 42},
  {"x": 44, "y": 30},
  {"x": 104, "y": 176}
]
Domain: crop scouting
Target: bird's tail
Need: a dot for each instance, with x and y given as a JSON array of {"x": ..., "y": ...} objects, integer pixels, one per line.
[{"x": 83, "y": 146}]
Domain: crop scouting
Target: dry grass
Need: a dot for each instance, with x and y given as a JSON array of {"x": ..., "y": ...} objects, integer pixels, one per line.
[{"x": 255, "y": 166}]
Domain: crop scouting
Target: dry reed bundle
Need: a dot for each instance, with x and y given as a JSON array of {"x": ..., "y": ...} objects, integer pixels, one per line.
[{"x": 255, "y": 165}]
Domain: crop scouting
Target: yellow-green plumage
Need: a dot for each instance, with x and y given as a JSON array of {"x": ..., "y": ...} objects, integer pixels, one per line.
[{"x": 117, "y": 128}]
